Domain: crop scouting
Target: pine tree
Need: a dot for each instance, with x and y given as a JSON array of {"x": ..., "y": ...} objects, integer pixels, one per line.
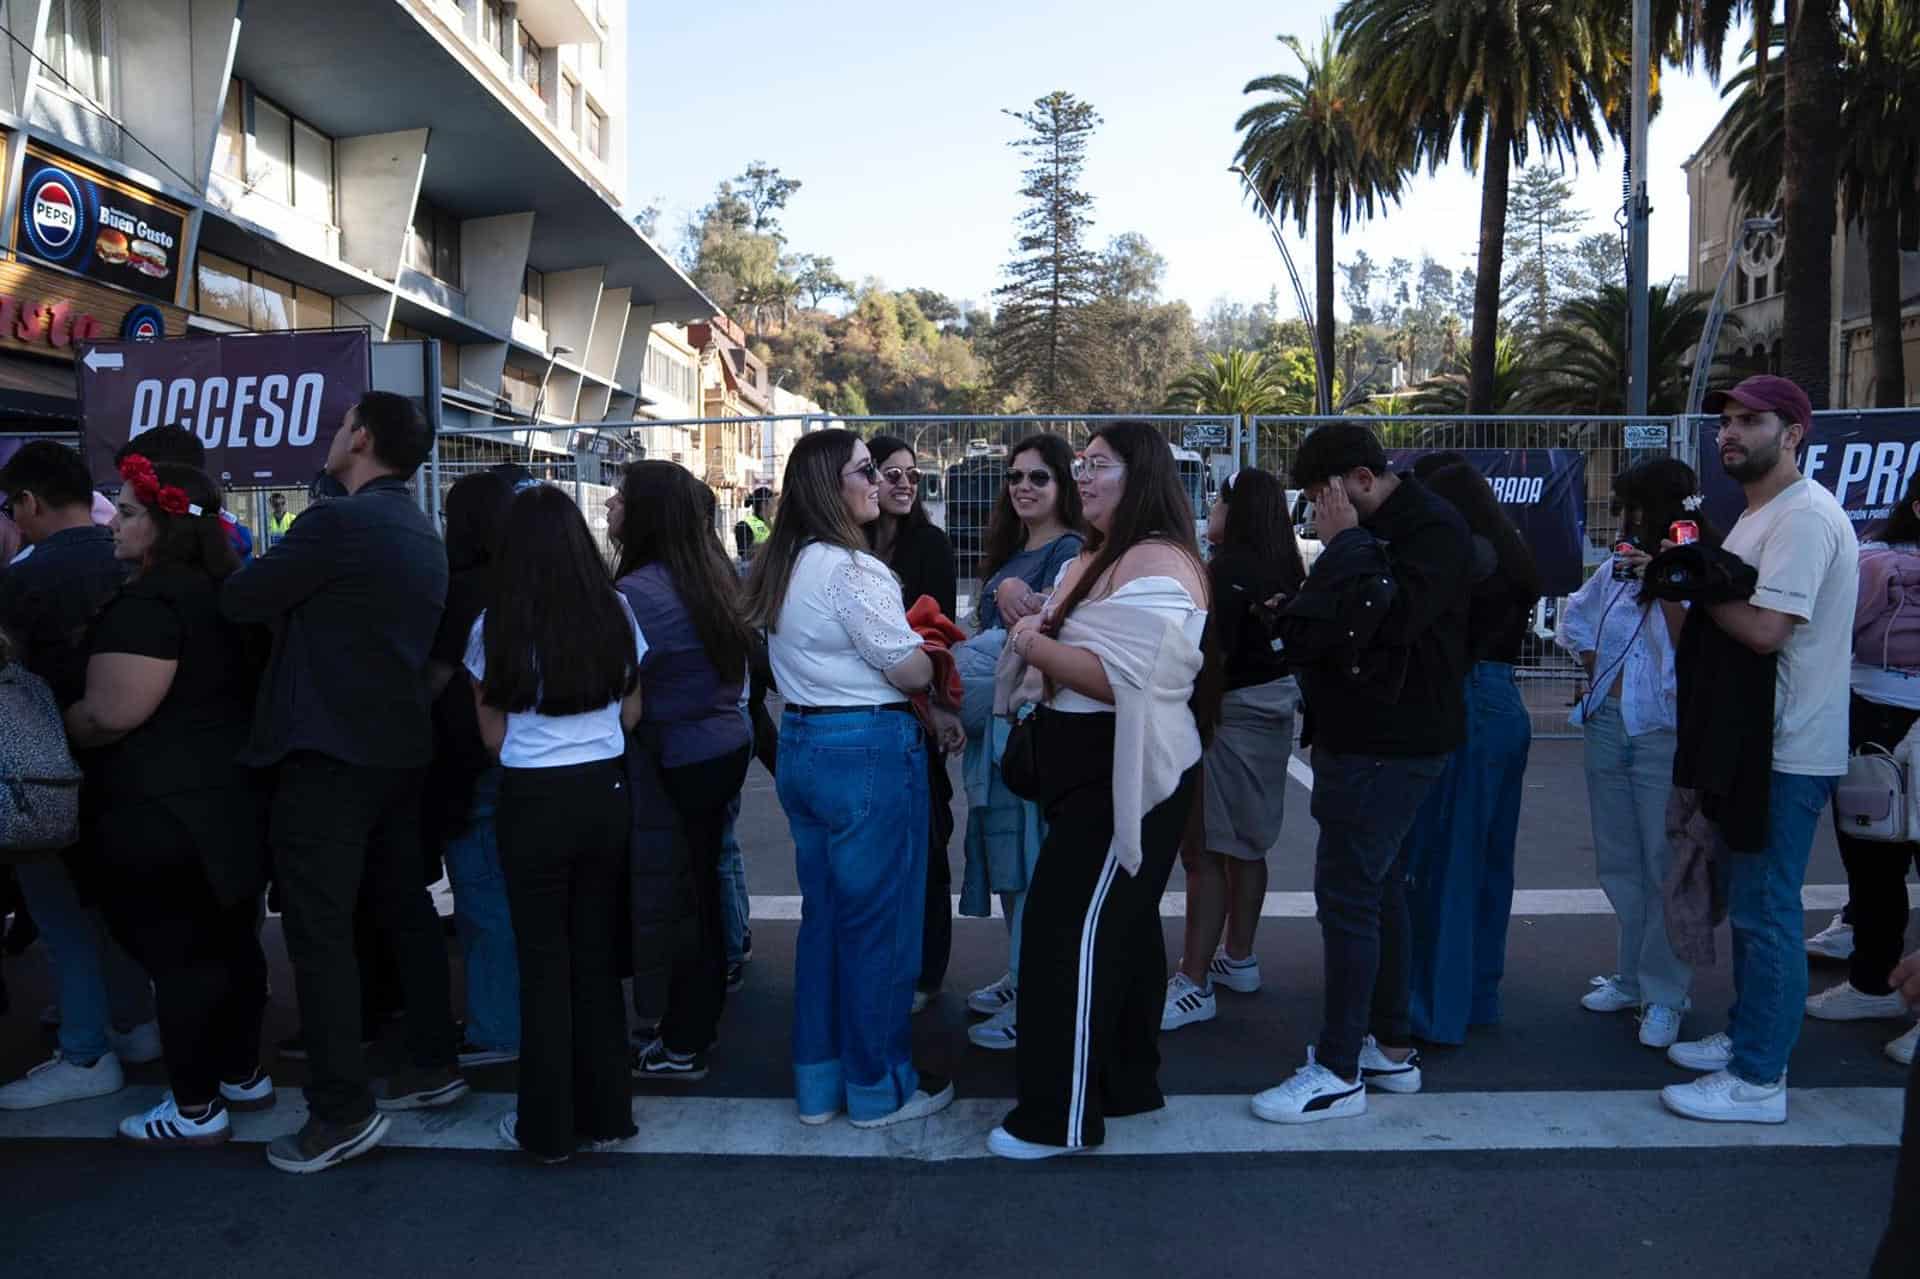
[
  {"x": 1541, "y": 224},
  {"x": 1044, "y": 341}
]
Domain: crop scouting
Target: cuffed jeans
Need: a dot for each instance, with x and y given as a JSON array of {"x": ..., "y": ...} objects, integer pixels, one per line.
[
  {"x": 1628, "y": 782},
  {"x": 854, "y": 787},
  {"x": 99, "y": 987},
  {"x": 484, "y": 922},
  {"x": 1365, "y": 805},
  {"x": 1769, "y": 930}
]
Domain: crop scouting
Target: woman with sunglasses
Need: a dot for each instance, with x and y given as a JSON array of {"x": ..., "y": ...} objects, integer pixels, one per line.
[
  {"x": 1033, "y": 534},
  {"x": 853, "y": 782},
  {"x": 917, "y": 550},
  {"x": 1109, "y": 668}
]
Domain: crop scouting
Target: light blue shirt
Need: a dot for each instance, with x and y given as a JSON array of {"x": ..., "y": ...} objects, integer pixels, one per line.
[{"x": 1630, "y": 643}]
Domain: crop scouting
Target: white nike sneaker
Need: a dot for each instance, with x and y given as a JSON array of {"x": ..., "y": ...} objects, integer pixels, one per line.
[
  {"x": 1724, "y": 1097},
  {"x": 1835, "y": 941},
  {"x": 1709, "y": 1054},
  {"x": 58, "y": 1080},
  {"x": 1846, "y": 1002}
]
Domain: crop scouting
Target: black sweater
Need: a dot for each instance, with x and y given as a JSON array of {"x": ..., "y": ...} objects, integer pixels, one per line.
[
  {"x": 1242, "y": 582},
  {"x": 1412, "y": 702},
  {"x": 923, "y": 561}
]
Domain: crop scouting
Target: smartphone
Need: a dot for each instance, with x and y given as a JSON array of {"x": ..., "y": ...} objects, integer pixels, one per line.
[{"x": 1622, "y": 570}]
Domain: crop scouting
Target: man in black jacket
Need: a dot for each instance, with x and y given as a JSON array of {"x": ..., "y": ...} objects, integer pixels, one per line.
[
  {"x": 1383, "y": 720},
  {"x": 354, "y": 593}
]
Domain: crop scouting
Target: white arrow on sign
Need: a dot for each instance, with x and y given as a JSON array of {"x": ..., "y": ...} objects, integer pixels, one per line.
[{"x": 97, "y": 360}]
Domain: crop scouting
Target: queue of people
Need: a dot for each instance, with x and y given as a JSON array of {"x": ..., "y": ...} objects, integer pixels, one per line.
[{"x": 368, "y": 701}]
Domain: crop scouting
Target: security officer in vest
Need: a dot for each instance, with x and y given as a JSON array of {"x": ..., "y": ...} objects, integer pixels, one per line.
[{"x": 753, "y": 528}]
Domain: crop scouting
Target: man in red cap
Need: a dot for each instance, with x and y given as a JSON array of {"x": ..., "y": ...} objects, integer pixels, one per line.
[{"x": 1795, "y": 535}]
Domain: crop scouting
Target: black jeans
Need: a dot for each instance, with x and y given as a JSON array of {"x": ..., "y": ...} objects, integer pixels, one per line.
[
  {"x": 563, "y": 847},
  {"x": 1876, "y": 872},
  {"x": 1365, "y": 805},
  {"x": 697, "y": 991},
  {"x": 336, "y": 826},
  {"x": 209, "y": 975},
  {"x": 1901, "y": 1244},
  {"x": 936, "y": 933}
]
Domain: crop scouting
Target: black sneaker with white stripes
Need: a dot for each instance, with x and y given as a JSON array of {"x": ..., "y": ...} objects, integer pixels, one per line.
[{"x": 657, "y": 1061}]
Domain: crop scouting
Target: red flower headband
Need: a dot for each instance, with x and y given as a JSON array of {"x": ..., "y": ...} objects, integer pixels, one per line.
[{"x": 148, "y": 491}]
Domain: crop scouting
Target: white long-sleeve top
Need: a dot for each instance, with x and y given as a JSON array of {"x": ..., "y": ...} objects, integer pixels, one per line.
[{"x": 1630, "y": 643}]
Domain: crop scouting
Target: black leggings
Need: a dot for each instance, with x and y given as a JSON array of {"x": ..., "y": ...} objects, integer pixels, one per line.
[
  {"x": 1876, "y": 872},
  {"x": 209, "y": 975},
  {"x": 697, "y": 991}
]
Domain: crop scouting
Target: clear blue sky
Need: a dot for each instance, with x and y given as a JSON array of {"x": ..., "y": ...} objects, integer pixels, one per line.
[{"x": 890, "y": 115}]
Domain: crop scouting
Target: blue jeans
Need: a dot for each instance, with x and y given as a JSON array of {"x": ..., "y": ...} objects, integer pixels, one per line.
[
  {"x": 485, "y": 924},
  {"x": 734, "y": 904},
  {"x": 1460, "y": 864},
  {"x": 854, "y": 787},
  {"x": 1769, "y": 930},
  {"x": 1628, "y": 781},
  {"x": 100, "y": 988}
]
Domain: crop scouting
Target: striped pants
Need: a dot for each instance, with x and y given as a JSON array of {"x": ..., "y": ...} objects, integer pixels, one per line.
[{"x": 1093, "y": 970}]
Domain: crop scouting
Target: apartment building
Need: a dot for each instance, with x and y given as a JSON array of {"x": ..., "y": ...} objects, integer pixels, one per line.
[{"x": 447, "y": 170}]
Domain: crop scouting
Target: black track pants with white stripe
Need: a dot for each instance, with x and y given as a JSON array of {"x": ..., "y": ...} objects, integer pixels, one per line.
[{"x": 1093, "y": 971}]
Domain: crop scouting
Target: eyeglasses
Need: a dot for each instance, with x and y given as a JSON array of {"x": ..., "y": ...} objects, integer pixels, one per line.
[
  {"x": 897, "y": 474},
  {"x": 866, "y": 471},
  {"x": 1039, "y": 477},
  {"x": 1092, "y": 468}
]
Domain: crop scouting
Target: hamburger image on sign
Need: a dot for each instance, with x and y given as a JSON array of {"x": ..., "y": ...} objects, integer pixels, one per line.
[
  {"x": 149, "y": 258},
  {"x": 112, "y": 246}
]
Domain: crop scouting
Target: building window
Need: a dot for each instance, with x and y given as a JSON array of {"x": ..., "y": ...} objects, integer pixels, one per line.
[
  {"x": 530, "y": 55},
  {"x": 597, "y": 54},
  {"x": 77, "y": 48},
  {"x": 312, "y": 172},
  {"x": 255, "y": 299},
  {"x": 230, "y": 148},
  {"x": 596, "y": 132},
  {"x": 533, "y": 299},
  {"x": 493, "y": 28},
  {"x": 669, "y": 371},
  {"x": 281, "y": 157},
  {"x": 449, "y": 353},
  {"x": 569, "y": 101},
  {"x": 433, "y": 248}
]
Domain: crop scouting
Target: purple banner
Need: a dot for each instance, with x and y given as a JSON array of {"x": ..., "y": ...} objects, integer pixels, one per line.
[
  {"x": 265, "y": 405},
  {"x": 1544, "y": 492},
  {"x": 1864, "y": 456}
]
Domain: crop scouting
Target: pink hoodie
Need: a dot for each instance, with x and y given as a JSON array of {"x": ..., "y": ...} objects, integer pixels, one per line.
[{"x": 1886, "y": 620}]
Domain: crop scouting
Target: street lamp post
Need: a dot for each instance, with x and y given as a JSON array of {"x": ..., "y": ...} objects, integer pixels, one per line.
[{"x": 1639, "y": 212}]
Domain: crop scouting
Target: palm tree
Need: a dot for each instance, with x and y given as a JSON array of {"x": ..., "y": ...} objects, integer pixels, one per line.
[
  {"x": 1449, "y": 394},
  {"x": 1237, "y": 382},
  {"x": 1580, "y": 362},
  {"x": 1493, "y": 76},
  {"x": 1304, "y": 146}
]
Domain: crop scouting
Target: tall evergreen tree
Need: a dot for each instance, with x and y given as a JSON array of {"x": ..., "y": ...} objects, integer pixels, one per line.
[
  {"x": 1540, "y": 250},
  {"x": 1044, "y": 340}
]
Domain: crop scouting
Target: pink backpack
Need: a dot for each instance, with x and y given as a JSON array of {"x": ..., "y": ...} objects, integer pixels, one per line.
[{"x": 1886, "y": 622}]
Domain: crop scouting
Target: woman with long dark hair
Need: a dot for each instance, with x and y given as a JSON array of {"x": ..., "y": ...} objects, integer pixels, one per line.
[
  {"x": 1629, "y": 715},
  {"x": 1460, "y": 854},
  {"x": 463, "y": 784},
  {"x": 555, "y": 666},
  {"x": 918, "y": 551},
  {"x": 853, "y": 782},
  {"x": 1109, "y": 669},
  {"x": 1033, "y": 534},
  {"x": 685, "y": 596},
  {"x": 180, "y": 825},
  {"x": 1243, "y": 795},
  {"x": 1884, "y": 706}
]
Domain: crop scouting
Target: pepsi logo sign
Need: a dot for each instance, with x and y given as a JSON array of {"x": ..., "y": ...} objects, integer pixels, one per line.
[
  {"x": 144, "y": 324},
  {"x": 55, "y": 214}
]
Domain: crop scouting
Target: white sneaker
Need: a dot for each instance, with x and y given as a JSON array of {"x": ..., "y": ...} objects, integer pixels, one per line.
[
  {"x": 1186, "y": 1003},
  {"x": 1845, "y": 1003},
  {"x": 1901, "y": 1049},
  {"x": 1608, "y": 996},
  {"x": 934, "y": 1095},
  {"x": 138, "y": 1046},
  {"x": 1312, "y": 1094},
  {"x": 1659, "y": 1026},
  {"x": 1835, "y": 941},
  {"x": 1239, "y": 975},
  {"x": 1711, "y": 1053},
  {"x": 990, "y": 999},
  {"x": 165, "y": 1127},
  {"x": 999, "y": 1032},
  {"x": 254, "y": 1094},
  {"x": 1726, "y": 1098},
  {"x": 1007, "y": 1146},
  {"x": 1377, "y": 1070},
  {"x": 57, "y": 1079}
]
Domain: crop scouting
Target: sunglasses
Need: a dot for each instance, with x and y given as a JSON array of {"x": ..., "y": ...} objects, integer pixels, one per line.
[
  {"x": 1038, "y": 477},
  {"x": 1085, "y": 468},
  {"x": 866, "y": 471},
  {"x": 897, "y": 474}
]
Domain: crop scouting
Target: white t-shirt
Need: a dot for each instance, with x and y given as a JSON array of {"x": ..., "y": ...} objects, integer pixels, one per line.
[
  {"x": 842, "y": 626},
  {"x": 1809, "y": 565},
  {"x": 554, "y": 741}
]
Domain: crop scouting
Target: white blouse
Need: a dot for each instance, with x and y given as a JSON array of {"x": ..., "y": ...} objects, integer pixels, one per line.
[
  {"x": 1629, "y": 643},
  {"x": 841, "y": 627},
  {"x": 554, "y": 741},
  {"x": 1163, "y": 596}
]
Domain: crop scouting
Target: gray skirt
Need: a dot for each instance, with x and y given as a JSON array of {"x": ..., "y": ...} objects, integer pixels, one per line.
[{"x": 1245, "y": 794}]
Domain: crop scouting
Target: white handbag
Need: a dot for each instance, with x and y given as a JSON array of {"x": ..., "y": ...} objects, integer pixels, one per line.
[{"x": 1871, "y": 802}]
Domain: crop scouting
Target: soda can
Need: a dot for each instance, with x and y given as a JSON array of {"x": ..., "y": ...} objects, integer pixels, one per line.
[{"x": 1683, "y": 532}]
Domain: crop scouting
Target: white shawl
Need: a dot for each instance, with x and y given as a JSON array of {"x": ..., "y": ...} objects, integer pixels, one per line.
[{"x": 1152, "y": 666}]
